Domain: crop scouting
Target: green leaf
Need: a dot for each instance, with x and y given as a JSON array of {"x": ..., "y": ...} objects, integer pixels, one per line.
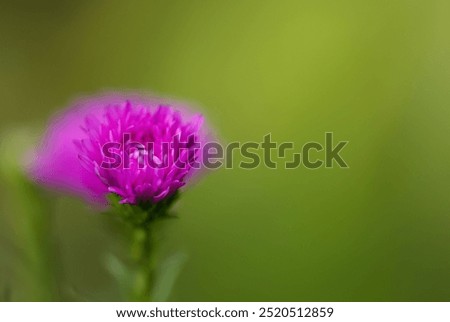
[
  {"x": 120, "y": 272},
  {"x": 167, "y": 275}
]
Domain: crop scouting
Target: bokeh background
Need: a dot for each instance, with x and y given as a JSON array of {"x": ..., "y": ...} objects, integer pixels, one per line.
[{"x": 376, "y": 73}]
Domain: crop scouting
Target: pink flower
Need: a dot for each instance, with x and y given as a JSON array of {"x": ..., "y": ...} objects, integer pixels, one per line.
[{"x": 138, "y": 148}]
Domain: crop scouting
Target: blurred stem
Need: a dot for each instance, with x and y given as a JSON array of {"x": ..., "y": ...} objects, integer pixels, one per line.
[
  {"x": 31, "y": 217},
  {"x": 143, "y": 254},
  {"x": 36, "y": 241},
  {"x": 33, "y": 224}
]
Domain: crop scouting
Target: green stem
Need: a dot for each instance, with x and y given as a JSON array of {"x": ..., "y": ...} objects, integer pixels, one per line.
[
  {"x": 142, "y": 219},
  {"x": 143, "y": 253}
]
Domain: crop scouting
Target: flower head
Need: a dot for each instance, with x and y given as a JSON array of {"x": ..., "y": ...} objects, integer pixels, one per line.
[{"x": 140, "y": 149}]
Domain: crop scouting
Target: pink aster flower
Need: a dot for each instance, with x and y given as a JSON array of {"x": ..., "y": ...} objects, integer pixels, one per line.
[{"x": 140, "y": 149}]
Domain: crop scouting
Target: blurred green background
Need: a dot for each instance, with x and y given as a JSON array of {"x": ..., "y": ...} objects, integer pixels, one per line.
[{"x": 376, "y": 73}]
